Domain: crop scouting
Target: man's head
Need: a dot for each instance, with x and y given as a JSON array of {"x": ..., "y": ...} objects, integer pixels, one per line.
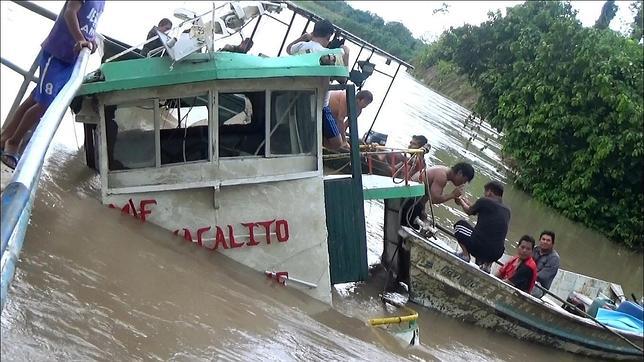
[
  {"x": 547, "y": 240},
  {"x": 493, "y": 189},
  {"x": 363, "y": 99},
  {"x": 462, "y": 172},
  {"x": 417, "y": 141},
  {"x": 322, "y": 32},
  {"x": 164, "y": 25},
  {"x": 525, "y": 246}
]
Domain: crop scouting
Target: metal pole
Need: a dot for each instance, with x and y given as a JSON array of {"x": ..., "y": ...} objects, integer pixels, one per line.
[
  {"x": 37, "y": 9},
  {"x": 19, "y": 194},
  {"x": 383, "y": 102},
  {"x": 252, "y": 35},
  {"x": 29, "y": 76},
  {"x": 358, "y": 57},
  {"x": 286, "y": 35},
  {"x": 356, "y": 178},
  {"x": 306, "y": 26}
]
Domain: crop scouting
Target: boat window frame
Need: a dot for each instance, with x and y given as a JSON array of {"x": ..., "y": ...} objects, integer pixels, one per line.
[
  {"x": 157, "y": 128},
  {"x": 218, "y": 172},
  {"x": 235, "y": 90},
  {"x": 317, "y": 116}
]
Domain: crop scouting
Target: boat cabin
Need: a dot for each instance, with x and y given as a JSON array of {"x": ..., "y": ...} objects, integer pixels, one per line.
[{"x": 222, "y": 149}]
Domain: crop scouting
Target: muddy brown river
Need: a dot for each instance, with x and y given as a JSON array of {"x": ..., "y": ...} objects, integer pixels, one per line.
[{"x": 92, "y": 284}]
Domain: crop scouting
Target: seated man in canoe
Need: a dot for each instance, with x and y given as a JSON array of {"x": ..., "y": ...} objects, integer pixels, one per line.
[
  {"x": 521, "y": 270},
  {"x": 485, "y": 241},
  {"x": 547, "y": 260}
]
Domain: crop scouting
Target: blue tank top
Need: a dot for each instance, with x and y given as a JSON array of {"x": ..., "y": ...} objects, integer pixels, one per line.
[{"x": 60, "y": 42}]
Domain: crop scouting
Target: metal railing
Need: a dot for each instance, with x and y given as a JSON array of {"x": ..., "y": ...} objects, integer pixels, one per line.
[{"x": 18, "y": 196}]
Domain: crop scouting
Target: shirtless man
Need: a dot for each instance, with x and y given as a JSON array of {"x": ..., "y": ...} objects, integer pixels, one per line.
[
  {"x": 435, "y": 181},
  {"x": 437, "y": 176},
  {"x": 338, "y": 106}
]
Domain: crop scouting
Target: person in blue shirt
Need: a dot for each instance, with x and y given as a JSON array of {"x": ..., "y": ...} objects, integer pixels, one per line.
[{"x": 74, "y": 29}]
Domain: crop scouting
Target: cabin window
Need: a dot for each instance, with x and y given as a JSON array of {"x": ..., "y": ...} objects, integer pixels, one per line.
[
  {"x": 242, "y": 124},
  {"x": 183, "y": 129},
  {"x": 130, "y": 135},
  {"x": 293, "y": 122}
]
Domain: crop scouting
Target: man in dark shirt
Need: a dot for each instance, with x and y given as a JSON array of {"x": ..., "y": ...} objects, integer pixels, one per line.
[
  {"x": 164, "y": 25},
  {"x": 486, "y": 240},
  {"x": 547, "y": 260},
  {"x": 521, "y": 271}
]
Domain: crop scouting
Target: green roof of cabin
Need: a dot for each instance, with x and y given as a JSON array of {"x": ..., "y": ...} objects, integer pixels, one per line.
[{"x": 153, "y": 72}]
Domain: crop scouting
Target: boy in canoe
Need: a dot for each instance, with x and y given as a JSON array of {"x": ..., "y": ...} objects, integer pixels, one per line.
[
  {"x": 521, "y": 270},
  {"x": 485, "y": 241}
]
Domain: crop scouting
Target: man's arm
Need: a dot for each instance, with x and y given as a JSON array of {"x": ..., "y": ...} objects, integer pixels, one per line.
[
  {"x": 303, "y": 37},
  {"x": 71, "y": 19},
  {"x": 334, "y": 142},
  {"x": 548, "y": 272}
]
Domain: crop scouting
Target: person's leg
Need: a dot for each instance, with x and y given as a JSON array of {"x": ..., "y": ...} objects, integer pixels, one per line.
[
  {"x": 463, "y": 234},
  {"x": 10, "y": 127},
  {"x": 54, "y": 74},
  {"x": 31, "y": 117}
]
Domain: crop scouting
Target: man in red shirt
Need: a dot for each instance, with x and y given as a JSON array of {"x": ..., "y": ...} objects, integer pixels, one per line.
[{"x": 521, "y": 270}]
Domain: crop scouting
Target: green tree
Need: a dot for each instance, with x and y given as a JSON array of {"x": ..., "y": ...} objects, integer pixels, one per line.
[
  {"x": 637, "y": 25},
  {"x": 569, "y": 101},
  {"x": 608, "y": 13}
]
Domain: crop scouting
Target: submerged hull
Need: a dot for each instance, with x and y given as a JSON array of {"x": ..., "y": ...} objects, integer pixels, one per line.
[{"x": 441, "y": 281}]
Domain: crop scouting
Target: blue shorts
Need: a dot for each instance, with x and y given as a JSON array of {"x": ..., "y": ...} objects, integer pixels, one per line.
[
  {"x": 329, "y": 127},
  {"x": 54, "y": 74}
]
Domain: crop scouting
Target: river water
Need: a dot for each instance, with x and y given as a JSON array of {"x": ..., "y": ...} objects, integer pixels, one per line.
[{"x": 94, "y": 286}]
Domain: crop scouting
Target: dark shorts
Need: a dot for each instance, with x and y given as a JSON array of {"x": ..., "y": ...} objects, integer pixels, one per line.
[
  {"x": 482, "y": 252},
  {"x": 329, "y": 126},
  {"x": 53, "y": 76}
]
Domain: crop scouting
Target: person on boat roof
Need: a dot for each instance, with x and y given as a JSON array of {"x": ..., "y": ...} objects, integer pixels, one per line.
[
  {"x": 547, "y": 260},
  {"x": 318, "y": 41},
  {"x": 338, "y": 106},
  {"x": 164, "y": 26},
  {"x": 486, "y": 240},
  {"x": 74, "y": 29},
  {"x": 242, "y": 48},
  {"x": 521, "y": 270}
]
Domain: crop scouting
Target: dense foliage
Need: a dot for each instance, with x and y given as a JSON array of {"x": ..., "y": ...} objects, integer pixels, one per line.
[
  {"x": 391, "y": 36},
  {"x": 569, "y": 100}
]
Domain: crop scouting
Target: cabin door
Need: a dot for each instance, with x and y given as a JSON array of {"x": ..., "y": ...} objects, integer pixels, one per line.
[{"x": 346, "y": 227}]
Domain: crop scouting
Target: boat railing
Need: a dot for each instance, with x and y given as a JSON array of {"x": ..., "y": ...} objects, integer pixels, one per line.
[
  {"x": 18, "y": 196},
  {"x": 402, "y": 163}
]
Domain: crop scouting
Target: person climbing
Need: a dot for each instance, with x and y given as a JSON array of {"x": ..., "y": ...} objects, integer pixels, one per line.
[{"x": 74, "y": 29}]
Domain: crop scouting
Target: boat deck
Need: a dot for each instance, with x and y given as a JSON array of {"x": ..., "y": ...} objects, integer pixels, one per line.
[{"x": 377, "y": 187}]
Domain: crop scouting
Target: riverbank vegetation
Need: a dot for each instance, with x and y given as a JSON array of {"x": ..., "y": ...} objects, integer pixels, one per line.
[
  {"x": 569, "y": 101},
  {"x": 391, "y": 36}
]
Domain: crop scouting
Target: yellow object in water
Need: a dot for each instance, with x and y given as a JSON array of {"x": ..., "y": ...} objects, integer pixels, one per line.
[{"x": 395, "y": 320}]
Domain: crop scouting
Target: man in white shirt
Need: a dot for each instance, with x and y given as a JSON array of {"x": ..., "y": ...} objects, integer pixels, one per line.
[{"x": 317, "y": 41}]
